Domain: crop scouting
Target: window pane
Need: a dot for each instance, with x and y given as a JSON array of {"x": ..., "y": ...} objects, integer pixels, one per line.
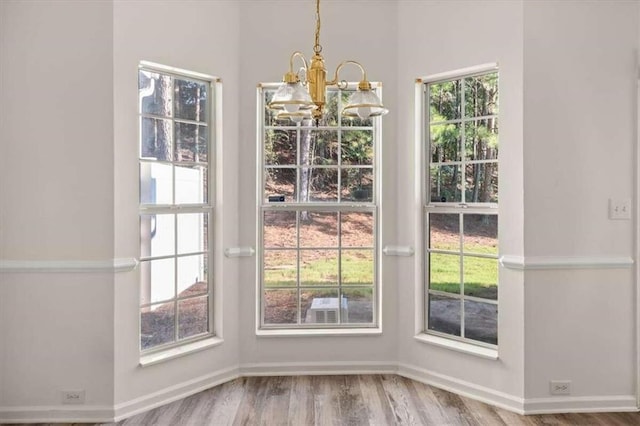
[
  {"x": 155, "y": 142},
  {"x": 481, "y": 95},
  {"x": 318, "y": 229},
  {"x": 193, "y": 317},
  {"x": 357, "y": 267},
  {"x": 481, "y": 321},
  {"x": 444, "y": 231},
  {"x": 280, "y": 306},
  {"x": 280, "y": 182},
  {"x": 444, "y": 314},
  {"x": 331, "y": 108},
  {"x": 444, "y": 100},
  {"x": 156, "y": 183},
  {"x": 356, "y": 229},
  {"x": 279, "y": 229},
  {"x": 157, "y": 325},
  {"x": 280, "y": 268},
  {"x": 269, "y": 115},
  {"x": 192, "y": 142},
  {"x": 319, "y": 306},
  {"x": 357, "y": 305},
  {"x": 357, "y": 147},
  {"x": 177, "y": 132},
  {"x": 444, "y": 272},
  {"x": 357, "y": 184},
  {"x": 157, "y": 235},
  {"x": 318, "y": 185},
  {"x": 480, "y": 233},
  {"x": 482, "y": 183},
  {"x": 481, "y": 140},
  {"x": 157, "y": 278},
  {"x": 445, "y": 142},
  {"x": 192, "y": 232},
  {"x": 318, "y": 147},
  {"x": 446, "y": 182},
  {"x": 190, "y": 100},
  {"x": 318, "y": 267},
  {"x": 192, "y": 275},
  {"x": 481, "y": 277},
  {"x": 280, "y": 147},
  {"x": 155, "y": 93},
  {"x": 191, "y": 184}
]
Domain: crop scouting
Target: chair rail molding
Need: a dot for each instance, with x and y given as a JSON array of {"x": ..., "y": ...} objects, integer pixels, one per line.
[
  {"x": 566, "y": 262},
  {"x": 125, "y": 264}
]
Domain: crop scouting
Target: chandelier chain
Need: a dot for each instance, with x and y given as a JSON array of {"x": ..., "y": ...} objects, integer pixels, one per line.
[{"x": 317, "y": 48}]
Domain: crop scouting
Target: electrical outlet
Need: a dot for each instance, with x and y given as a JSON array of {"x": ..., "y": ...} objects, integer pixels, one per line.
[
  {"x": 72, "y": 396},
  {"x": 560, "y": 387},
  {"x": 620, "y": 209}
]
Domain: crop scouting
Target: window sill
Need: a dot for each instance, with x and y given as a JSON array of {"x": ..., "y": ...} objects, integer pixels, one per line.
[
  {"x": 454, "y": 345},
  {"x": 179, "y": 351},
  {"x": 320, "y": 332}
]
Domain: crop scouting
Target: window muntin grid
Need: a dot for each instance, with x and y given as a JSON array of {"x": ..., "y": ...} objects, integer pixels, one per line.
[
  {"x": 344, "y": 159},
  {"x": 176, "y": 211},
  {"x": 461, "y": 275}
]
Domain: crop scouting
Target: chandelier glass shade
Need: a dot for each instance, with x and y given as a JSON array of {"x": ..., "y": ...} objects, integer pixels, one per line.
[{"x": 299, "y": 98}]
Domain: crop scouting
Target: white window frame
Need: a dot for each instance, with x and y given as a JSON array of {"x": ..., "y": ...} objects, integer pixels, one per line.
[
  {"x": 427, "y": 206},
  {"x": 179, "y": 347},
  {"x": 339, "y": 206}
]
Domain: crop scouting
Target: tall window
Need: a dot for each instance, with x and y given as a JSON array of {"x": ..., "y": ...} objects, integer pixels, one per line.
[
  {"x": 460, "y": 209},
  {"x": 176, "y": 209},
  {"x": 318, "y": 219}
]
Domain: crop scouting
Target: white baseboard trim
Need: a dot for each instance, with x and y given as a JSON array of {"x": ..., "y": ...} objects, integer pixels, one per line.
[
  {"x": 107, "y": 414},
  {"x": 463, "y": 388},
  {"x": 57, "y": 414},
  {"x": 317, "y": 368},
  {"x": 581, "y": 404},
  {"x": 173, "y": 393}
]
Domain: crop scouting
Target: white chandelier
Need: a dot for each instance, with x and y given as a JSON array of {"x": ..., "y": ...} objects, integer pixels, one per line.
[{"x": 299, "y": 98}]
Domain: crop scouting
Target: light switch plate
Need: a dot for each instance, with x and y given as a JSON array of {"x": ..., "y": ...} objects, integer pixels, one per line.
[{"x": 620, "y": 208}]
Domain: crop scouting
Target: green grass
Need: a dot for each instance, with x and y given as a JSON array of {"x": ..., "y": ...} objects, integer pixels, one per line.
[
  {"x": 480, "y": 275},
  {"x": 357, "y": 270},
  {"x": 471, "y": 248}
]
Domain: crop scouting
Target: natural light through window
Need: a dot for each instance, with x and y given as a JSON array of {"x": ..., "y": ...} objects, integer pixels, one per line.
[
  {"x": 460, "y": 210},
  {"x": 318, "y": 219},
  {"x": 175, "y": 208}
]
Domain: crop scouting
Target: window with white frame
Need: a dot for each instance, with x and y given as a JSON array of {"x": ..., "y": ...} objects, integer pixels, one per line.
[
  {"x": 176, "y": 193},
  {"x": 460, "y": 153},
  {"x": 318, "y": 218}
]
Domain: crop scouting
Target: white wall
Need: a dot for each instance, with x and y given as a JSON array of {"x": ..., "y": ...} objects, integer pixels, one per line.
[
  {"x": 201, "y": 37},
  {"x": 56, "y": 199},
  {"x": 68, "y": 190},
  {"x": 434, "y": 37},
  {"x": 580, "y": 134},
  {"x": 283, "y": 27}
]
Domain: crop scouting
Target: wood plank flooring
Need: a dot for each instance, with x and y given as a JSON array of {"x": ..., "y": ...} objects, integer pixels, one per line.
[{"x": 378, "y": 400}]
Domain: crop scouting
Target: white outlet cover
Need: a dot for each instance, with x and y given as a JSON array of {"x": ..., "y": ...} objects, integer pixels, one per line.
[
  {"x": 560, "y": 387},
  {"x": 72, "y": 396}
]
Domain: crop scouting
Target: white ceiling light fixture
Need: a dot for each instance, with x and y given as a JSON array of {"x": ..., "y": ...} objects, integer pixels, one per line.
[{"x": 298, "y": 98}]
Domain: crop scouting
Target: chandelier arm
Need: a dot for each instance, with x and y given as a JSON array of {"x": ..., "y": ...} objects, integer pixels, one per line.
[
  {"x": 294, "y": 77},
  {"x": 342, "y": 64},
  {"x": 301, "y": 56}
]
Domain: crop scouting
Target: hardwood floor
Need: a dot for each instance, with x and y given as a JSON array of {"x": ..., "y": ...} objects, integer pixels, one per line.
[{"x": 347, "y": 400}]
